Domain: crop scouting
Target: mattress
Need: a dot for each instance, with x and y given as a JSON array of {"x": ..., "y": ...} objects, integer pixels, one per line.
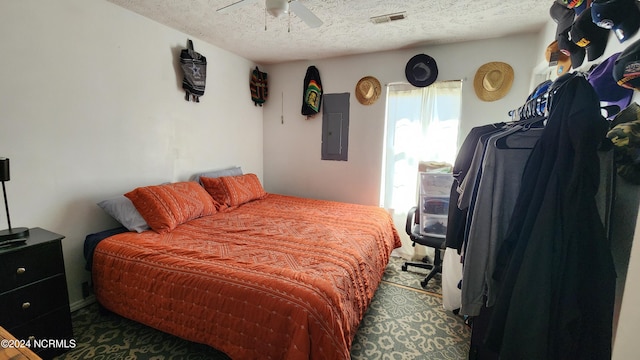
[{"x": 277, "y": 278}]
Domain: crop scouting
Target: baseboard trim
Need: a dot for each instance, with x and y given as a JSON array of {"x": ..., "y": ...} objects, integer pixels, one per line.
[{"x": 82, "y": 303}]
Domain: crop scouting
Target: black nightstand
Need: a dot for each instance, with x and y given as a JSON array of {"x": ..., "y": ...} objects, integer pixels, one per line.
[{"x": 34, "y": 301}]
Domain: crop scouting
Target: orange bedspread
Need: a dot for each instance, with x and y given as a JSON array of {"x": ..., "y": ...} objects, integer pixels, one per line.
[{"x": 277, "y": 278}]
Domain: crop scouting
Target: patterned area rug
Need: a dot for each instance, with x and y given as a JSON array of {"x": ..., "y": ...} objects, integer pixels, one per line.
[
  {"x": 409, "y": 324},
  {"x": 107, "y": 336},
  {"x": 403, "y": 321},
  {"x": 412, "y": 277}
]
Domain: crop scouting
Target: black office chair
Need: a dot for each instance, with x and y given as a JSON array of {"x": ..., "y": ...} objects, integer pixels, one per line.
[{"x": 412, "y": 228}]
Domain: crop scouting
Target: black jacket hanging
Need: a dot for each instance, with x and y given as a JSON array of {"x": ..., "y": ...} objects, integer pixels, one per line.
[
  {"x": 555, "y": 267},
  {"x": 311, "y": 92}
]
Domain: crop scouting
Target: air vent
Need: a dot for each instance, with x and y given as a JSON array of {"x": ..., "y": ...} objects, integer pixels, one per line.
[{"x": 388, "y": 17}]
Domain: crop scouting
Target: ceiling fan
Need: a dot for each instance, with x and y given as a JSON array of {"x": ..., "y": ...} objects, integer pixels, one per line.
[{"x": 278, "y": 8}]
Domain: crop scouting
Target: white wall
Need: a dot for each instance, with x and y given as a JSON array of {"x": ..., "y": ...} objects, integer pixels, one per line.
[
  {"x": 292, "y": 147},
  {"x": 91, "y": 106}
]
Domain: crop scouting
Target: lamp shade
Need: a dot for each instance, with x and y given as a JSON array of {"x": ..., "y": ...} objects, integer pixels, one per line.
[{"x": 4, "y": 169}]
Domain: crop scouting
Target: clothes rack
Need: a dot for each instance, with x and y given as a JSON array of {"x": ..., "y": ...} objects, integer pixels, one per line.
[{"x": 542, "y": 272}]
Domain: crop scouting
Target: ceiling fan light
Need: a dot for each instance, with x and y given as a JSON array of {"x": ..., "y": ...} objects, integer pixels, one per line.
[{"x": 277, "y": 8}]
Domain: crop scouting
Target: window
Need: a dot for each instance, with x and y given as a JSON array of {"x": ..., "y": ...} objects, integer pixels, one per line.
[{"x": 421, "y": 125}]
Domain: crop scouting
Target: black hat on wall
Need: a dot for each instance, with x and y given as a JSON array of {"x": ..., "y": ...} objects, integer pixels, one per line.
[
  {"x": 621, "y": 16},
  {"x": 586, "y": 34},
  {"x": 575, "y": 52},
  {"x": 421, "y": 70},
  {"x": 563, "y": 16},
  {"x": 626, "y": 70}
]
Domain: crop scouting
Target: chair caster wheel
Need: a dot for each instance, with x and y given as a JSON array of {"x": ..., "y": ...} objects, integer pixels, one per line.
[
  {"x": 404, "y": 267},
  {"x": 424, "y": 284}
]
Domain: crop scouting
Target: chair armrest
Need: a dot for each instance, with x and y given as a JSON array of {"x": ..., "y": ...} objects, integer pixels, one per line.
[{"x": 410, "y": 215}]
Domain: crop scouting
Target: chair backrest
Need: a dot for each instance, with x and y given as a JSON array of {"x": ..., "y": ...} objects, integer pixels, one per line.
[{"x": 412, "y": 219}]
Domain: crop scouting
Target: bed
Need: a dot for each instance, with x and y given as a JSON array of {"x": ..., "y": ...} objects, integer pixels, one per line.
[{"x": 259, "y": 276}]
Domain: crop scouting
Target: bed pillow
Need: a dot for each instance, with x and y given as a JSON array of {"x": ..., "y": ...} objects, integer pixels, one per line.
[
  {"x": 215, "y": 188},
  {"x": 232, "y": 171},
  {"x": 123, "y": 210},
  {"x": 232, "y": 191},
  {"x": 166, "y": 206}
]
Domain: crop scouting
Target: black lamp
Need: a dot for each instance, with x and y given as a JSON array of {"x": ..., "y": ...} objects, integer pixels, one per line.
[{"x": 10, "y": 233}]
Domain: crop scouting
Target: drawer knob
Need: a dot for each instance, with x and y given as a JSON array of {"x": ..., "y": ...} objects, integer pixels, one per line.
[
  {"x": 21, "y": 270},
  {"x": 26, "y": 305}
]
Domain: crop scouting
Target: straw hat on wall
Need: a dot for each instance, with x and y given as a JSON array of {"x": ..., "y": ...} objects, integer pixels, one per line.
[
  {"x": 493, "y": 81},
  {"x": 368, "y": 90}
]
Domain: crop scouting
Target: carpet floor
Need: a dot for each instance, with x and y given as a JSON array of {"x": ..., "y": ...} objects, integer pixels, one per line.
[{"x": 403, "y": 321}]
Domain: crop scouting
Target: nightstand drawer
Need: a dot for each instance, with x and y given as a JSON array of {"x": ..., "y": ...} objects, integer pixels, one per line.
[
  {"x": 17, "y": 353},
  {"x": 19, "y": 268},
  {"x": 29, "y": 302},
  {"x": 53, "y": 326}
]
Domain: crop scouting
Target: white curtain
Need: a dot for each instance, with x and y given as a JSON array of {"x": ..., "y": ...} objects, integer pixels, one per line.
[{"x": 421, "y": 125}]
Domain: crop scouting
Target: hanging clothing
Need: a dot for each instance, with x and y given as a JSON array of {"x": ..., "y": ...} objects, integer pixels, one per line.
[
  {"x": 554, "y": 269},
  {"x": 457, "y": 217},
  {"x": 311, "y": 92},
  {"x": 497, "y": 189}
]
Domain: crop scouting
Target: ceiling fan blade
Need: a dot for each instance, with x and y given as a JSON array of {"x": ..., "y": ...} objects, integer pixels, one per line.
[
  {"x": 235, "y": 5},
  {"x": 305, "y": 14}
]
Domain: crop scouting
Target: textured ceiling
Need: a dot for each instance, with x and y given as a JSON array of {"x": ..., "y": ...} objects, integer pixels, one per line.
[{"x": 347, "y": 28}]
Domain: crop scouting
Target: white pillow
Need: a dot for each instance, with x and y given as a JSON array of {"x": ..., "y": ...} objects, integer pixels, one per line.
[
  {"x": 232, "y": 171},
  {"x": 123, "y": 210}
]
